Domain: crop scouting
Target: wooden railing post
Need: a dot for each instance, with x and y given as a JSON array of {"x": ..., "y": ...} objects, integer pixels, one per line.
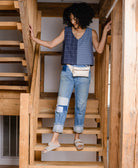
[
  {"x": 24, "y": 131},
  {"x": 102, "y": 96}
]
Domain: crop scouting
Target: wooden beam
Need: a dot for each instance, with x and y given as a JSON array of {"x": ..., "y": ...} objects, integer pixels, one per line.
[
  {"x": 10, "y": 59},
  {"x": 7, "y": 74},
  {"x": 67, "y": 164},
  {"x": 8, "y": 5},
  {"x": 115, "y": 91},
  {"x": 56, "y": 9},
  {"x": 42, "y": 73},
  {"x": 20, "y": 88},
  {"x": 70, "y": 147},
  {"x": 9, "y": 106},
  {"x": 9, "y": 43},
  {"x": 66, "y": 130},
  {"x": 104, "y": 6},
  {"x": 8, "y": 25},
  {"x": 109, "y": 39},
  {"x": 24, "y": 131},
  {"x": 129, "y": 108}
]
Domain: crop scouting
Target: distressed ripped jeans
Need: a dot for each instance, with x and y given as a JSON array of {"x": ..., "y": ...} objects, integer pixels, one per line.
[{"x": 67, "y": 83}]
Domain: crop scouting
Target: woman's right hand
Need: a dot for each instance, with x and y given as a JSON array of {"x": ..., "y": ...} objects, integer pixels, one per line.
[{"x": 31, "y": 32}]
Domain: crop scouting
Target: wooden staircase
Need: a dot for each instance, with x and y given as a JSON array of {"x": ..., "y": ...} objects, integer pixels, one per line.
[
  {"x": 46, "y": 111},
  {"x": 18, "y": 80},
  {"x": 34, "y": 109}
]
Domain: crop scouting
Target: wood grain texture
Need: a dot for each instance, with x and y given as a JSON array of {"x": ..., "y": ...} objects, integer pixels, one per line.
[
  {"x": 129, "y": 107},
  {"x": 24, "y": 131},
  {"x": 115, "y": 91}
]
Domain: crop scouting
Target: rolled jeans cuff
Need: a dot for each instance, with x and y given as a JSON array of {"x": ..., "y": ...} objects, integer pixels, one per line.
[
  {"x": 58, "y": 128},
  {"x": 78, "y": 129}
]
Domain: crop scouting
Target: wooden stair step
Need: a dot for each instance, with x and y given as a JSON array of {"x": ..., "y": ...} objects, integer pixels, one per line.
[
  {"x": 69, "y": 131},
  {"x": 7, "y": 74},
  {"x": 10, "y": 59},
  {"x": 52, "y": 115},
  {"x": 11, "y": 44},
  {"x": 49, "y": 104},
  {"x": 10, "y": 26},
  {"x": 9, "y": 5},
  {"x": 71, "y": 147},
  {"x": 5, "y": 87},
  {"x": 67, "y": 164}
]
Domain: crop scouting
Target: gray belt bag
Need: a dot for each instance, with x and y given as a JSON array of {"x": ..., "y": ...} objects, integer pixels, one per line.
[{"x": 79, "y": 71}]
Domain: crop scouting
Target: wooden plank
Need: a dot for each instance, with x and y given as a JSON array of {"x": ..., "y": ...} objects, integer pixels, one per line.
[
  {"x": 9, "y": 94},
  {"x": 22, "y": 46},
  {"x": 129, "y": 105},
  {"x": 12, "y": 74},
  {"x": 50, "y": 105},
  {"x": 104, "y": 98},
  {"x": 115, "y": 98},
  {"x": 3, "y": 166},
  {"x": 67, "y": 164},
  {"x": 8, "y": 25},
  {"x": 109, "y": 39},
  {"x": 10, "y": 59},
  {"x": 52, "y": 115},
  {"x": 24, "y": 63},
  {"x": 10, "y": 107},
  {"x": 16, "y": 5},
  {"x": 21, "y": 88},
  {"x": 56, "y": 9},
  {"x": 69, "y": 131},
  {"x": 53, "y": 95},
  {"x": 24, "y": 131},
  {"x": 7, "y": 5},
  {"x": 70, "y": 147},
  {"x": 9, "y": 43},
  {"x": 42, "y": 74},
  {"x": 19, "y": 26}
]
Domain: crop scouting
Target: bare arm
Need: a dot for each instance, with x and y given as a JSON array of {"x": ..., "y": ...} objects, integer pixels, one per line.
[
  {"x": 99, "y": 46},
  {"x": 49, "y": 44}
]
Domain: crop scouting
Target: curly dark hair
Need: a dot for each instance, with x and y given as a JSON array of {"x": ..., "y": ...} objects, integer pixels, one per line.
[{"x": 81, "y": 11}]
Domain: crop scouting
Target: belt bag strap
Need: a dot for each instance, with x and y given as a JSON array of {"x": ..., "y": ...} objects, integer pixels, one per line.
[{"x": 79, "y": 71}]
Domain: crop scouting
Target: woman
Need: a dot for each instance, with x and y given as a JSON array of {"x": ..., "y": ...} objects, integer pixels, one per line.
[{"x": 78, "y": 41}]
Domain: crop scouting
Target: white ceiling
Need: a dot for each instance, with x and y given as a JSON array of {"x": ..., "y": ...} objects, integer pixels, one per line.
[{"x": 70, "y": 1}]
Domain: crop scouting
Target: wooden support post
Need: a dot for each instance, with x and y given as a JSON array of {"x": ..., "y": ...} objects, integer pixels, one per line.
[
  {"x": 97, "y": 71},
  {"x": 129, "y": 107},
  {"x": 42, "y": 73},
  {"x": 115, "y": 97},
  {"x": 24, "y": 131}
]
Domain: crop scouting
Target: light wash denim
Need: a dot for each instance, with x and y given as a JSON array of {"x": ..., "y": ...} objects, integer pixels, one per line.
[{"x": 67, "y": 83}]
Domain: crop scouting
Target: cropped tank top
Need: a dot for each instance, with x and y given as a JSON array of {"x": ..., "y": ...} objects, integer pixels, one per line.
[{"x": 77, "y": 51}]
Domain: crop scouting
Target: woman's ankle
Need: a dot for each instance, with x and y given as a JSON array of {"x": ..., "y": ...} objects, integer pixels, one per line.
[{"x": 55, "y": 138}]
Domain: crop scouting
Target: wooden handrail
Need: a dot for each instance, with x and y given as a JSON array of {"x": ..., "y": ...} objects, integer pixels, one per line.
[{"x": 35, "y": 68}]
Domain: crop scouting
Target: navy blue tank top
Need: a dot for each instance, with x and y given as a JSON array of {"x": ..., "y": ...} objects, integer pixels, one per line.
[{"x": 77, "y": 51}]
